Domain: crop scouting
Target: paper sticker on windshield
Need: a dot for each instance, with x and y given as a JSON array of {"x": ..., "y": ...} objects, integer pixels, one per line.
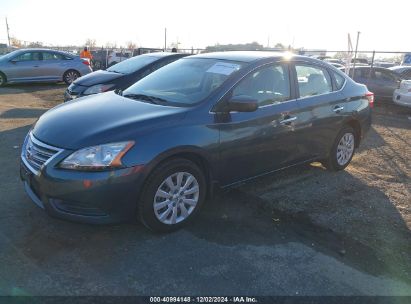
[{"x": 223, "y": 68}]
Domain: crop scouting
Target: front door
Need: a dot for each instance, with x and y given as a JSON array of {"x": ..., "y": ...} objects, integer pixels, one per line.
[
  {"x": 25, "y": 67},
  {"x": 253, "y": 143}
]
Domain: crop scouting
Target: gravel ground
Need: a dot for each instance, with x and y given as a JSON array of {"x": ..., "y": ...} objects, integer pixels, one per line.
[{"x": 299, "y": 231}]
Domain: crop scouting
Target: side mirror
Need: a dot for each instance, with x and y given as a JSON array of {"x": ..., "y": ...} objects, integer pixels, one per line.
[
  {"x": 14, "y": 61},
  {"x": 242, "y": 103}
]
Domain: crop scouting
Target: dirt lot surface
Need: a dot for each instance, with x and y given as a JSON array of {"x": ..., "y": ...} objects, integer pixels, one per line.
[{"x": 302, "y": 231}]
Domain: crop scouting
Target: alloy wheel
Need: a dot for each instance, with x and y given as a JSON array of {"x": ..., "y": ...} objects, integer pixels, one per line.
[
  {"x": 345, "y": 149},
  {"x": 176, "y": 198},
  {"x": 71, "y": 76}
]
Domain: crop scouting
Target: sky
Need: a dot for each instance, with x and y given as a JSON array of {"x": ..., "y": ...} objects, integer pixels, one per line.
[{"x": 312, "y": 24}]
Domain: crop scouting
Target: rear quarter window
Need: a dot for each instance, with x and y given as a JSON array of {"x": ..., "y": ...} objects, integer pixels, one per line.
[{"x": 339, "y": 81}]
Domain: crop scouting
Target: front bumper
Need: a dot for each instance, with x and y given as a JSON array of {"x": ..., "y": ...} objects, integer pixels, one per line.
[
  {"x": 74, "y": 91},
  {"x": 89, "y": 197}
]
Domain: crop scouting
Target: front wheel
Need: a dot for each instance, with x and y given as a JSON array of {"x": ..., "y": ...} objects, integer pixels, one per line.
[
  {"x": 70, "y": 76},
  {"x": 342, "y": 150},
  {"x": 172, "y": 195}
]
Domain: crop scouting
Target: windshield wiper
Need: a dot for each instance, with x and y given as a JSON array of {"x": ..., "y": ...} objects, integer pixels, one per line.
[{"x": 143, "y": 97}]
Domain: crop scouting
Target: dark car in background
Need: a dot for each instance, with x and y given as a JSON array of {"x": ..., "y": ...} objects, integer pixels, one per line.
[
  {"x": 402, "y": 71},
  {"x": 41, "y": 65},
  {"x": 156, "y": 150},
  {"x": 381, "y": 81},
  {"x": 119, "y": 76}
]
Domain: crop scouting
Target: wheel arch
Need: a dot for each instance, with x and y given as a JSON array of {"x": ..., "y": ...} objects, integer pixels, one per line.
[
  {"x": 70, "y": 69},
  {"x": 193, "y": 154},
  {"x": 355, "y": 124},
  {"x": 4, "y": 74}
]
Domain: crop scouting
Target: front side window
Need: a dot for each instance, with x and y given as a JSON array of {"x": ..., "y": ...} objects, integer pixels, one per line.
[
  {"x": 268, "y": 85},
  {"x": 383, "y": 75},
  {"x": 29, "y": 56},
  {"x": 312, "y": 80},
  {"x": 186, "y": 81}
]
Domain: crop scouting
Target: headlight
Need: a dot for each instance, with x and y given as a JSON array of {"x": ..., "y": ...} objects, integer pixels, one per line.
[
  {"x": 97, "y": 157},
  {"x": 98, "y": 88}
]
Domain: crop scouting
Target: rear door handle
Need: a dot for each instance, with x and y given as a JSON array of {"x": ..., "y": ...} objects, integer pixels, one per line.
[
  {"x": 338, "y": 109},
  {"x": 288, "y": 120}
]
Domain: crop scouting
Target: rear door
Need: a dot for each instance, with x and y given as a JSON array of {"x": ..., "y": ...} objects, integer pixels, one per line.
[
  {"x": 52, "y": 66},
  {"x": 252, "y": 143},
  {"x": 322, "y": 108}
]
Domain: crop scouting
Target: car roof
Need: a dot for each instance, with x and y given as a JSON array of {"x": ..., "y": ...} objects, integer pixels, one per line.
[
  {"x": 43, "y": 50},
  {"x": 163, "y": 54},
  {"x": 247, "y": 56},
  {"x": 39, "y": 50},
  {"x": 400, "y": 68}
]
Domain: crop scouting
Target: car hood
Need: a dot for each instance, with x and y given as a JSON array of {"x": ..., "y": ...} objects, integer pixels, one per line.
[
  {"x": 96, "y": 78},
  {"x": 102, "y": 118}
]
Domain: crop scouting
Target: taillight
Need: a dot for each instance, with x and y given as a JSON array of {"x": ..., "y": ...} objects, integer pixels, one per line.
[
  {"x": 370, "y": 97},
  {"x": 86, "y": 62}
]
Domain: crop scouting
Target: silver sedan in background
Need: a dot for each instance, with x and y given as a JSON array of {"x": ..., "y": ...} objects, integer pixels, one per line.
[{"x": 41, "y": 65}]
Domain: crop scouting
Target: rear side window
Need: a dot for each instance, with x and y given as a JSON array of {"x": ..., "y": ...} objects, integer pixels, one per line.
[
  {"x": 384, "y": 75},
  {"x": 268, "y": 85},
  {"x": 52, "y": 56},
  {"x": 313, "y": 80},
  {"x": 406, "y": 75},
  {"x": 339, "y": 81}
]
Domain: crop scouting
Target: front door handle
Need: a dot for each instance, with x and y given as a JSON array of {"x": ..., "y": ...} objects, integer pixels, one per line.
[
  {"x": 338, "y": 109},
  {"x": 35, "y": 66},
  {"x": 288, "y": 120}
]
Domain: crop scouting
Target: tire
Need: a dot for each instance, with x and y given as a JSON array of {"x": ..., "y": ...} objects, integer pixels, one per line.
[
  {"x": 342, "y": 150},
  {"x": 3, "y": 79},
  {"x": 70, "y": 75},
  {"x": 160, "y": 208}
]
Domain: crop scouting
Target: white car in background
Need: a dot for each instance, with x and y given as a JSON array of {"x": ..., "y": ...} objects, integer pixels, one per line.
[
  {"x": 115, "y": 57},
  {"x": 402, "y": 95}
]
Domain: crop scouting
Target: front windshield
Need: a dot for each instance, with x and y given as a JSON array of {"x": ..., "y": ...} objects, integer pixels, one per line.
[
  {"x": 133, "y": 64},
  {"x": 186, "y": 81}
]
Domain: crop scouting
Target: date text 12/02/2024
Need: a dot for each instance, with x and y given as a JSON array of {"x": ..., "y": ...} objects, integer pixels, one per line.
[{"x": 238, "y": 299}]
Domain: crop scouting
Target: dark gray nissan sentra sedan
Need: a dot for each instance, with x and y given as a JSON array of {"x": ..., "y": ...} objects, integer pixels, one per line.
[{"x": 156, "y": 150}]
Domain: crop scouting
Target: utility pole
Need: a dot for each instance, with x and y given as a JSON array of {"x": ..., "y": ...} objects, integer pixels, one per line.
[
  {"x": 165, "y": 39},
  {"x": 355, "y": 54},
  {"x": 8, "y": 34}
]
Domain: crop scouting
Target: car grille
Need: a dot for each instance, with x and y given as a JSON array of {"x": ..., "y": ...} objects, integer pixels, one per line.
[{"x": 36, "y": 154}]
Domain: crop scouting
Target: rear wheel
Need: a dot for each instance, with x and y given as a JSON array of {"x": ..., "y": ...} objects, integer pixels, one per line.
[
  {"x": 172, "y": 195},
  {"x": 70, "y": 75},
  {"x": 342, "y": 150},
  {"x": 3, "y": 79}
]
